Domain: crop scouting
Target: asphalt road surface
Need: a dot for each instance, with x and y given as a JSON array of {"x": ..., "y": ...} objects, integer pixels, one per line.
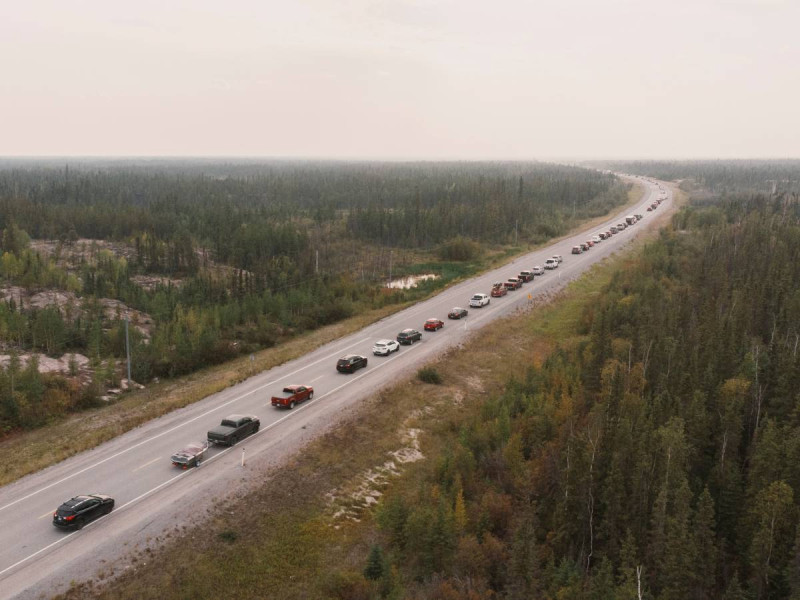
[{"x": 152, "y": 495}]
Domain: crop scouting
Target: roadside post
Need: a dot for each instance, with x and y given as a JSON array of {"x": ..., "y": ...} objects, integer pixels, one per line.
[{"x": 242, "y": 456}]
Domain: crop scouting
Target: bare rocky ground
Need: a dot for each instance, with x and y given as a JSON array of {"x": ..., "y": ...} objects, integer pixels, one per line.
[
  {"x": 83, "y": 249},
  {"x": 48, "y": 364},
  {"x": 71, "y": 306}
]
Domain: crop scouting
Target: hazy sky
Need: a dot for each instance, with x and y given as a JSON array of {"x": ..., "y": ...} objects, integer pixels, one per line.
[{"x": 401, "y": 78}]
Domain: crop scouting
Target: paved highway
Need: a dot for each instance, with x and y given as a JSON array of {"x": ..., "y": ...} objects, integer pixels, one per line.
[{"x": 152, "y": 495}]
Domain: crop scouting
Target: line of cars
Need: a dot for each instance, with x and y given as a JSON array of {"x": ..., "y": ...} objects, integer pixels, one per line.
[
  {"x": 384, "y": 347},
  {"x": 80, "y": 510},
  {"x": 659, "y": 200},
  {"x": 501, "y": 288},
  {"x": 604, "y": 235}
]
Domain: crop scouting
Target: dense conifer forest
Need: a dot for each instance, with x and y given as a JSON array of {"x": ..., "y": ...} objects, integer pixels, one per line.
[
  {"x": 658, "y": 458},
  {"x": 720, "y": 177},
  {"x": 239, "y": 255}
]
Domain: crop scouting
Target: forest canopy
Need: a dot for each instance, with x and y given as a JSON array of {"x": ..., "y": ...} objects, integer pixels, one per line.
[{"x": 241, "y": 255}]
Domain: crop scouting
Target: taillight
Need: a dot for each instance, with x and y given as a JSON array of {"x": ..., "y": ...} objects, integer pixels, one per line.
[{"x": 69, "y": 518}]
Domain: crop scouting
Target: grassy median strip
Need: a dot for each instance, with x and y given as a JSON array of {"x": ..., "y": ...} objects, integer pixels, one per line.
[
  {"x": 306, "y": 532},
  {"x": 31, "y": 451}
]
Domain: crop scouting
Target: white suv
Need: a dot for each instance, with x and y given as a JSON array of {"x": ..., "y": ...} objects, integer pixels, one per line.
[
  {"x": 558, "y": 258},
  {"x": 478, "y": 300},
  {"x": 551, "y": 263},
  {"x": 385, "y": 347},
  {"x": 538, "y": 270}
]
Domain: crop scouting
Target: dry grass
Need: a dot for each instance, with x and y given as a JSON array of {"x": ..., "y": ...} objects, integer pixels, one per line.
[{"x": 32, "y": 451}]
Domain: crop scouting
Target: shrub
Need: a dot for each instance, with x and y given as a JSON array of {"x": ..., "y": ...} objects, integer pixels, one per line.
[
  {"x": 228, "y": 536},
  {"x": 429, "y": 375},
  {"x": 459, "y": 248}
]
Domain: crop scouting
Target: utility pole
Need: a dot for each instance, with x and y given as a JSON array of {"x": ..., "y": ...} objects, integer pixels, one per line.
[
  {"x": 128, "y": 348},
  {"x": 391, "y": 257}
]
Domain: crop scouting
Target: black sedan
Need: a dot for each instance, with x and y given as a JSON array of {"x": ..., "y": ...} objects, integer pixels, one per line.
[
  {"x": 351, "y": 363},
  {"x": 80, "y": 510},
  {"x": 409, "y": 336},
  {"x": 457, "y": 313}
]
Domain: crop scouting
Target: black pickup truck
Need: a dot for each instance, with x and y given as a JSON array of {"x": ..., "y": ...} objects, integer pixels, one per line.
[{"x": 232, "y": 429}]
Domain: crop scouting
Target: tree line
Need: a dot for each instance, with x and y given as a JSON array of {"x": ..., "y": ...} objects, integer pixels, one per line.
[{"x": 721, "y": 177}]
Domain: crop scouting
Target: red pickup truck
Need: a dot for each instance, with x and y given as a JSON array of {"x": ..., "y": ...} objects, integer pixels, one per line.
[{"x": 293, "y": 394}]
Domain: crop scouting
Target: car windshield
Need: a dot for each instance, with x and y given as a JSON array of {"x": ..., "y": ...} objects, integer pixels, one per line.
[{"x": 380, "y": 344}]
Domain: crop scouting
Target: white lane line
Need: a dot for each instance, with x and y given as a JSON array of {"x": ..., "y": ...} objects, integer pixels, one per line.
[
  {"x": 315, "y": 378},
  {"x": 163, "y": 433},
  {"x": 183, "y": 473},
  {"x": 147, "y": 464},
  {"x": 47, "y": 514},
  {"x": 16, "y": 564}
]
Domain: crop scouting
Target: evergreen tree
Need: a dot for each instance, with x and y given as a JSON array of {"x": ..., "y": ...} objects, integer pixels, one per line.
[{"x": 375, "y": 564}]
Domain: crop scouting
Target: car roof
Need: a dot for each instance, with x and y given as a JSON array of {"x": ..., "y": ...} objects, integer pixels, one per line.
[
  {"x": 457, "y": 308},
  {"x": 76, "y": 501},
  {"x": 384, "y": 342},
  {"x": 408, "y": 331},
  {"x": 236, "y": 417},
  {"x": 432, "y": 319},
  {"x": 79, "y": 500}
]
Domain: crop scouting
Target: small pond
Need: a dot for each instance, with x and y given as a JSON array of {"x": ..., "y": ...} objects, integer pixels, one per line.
[{"x": 405, "y": 283}]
